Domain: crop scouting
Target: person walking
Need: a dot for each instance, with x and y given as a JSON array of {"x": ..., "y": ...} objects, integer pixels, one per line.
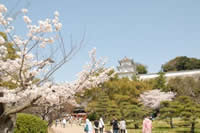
[
  {"x": 111, "y": 124},
  {"x": 147, "y": 125},
  {"x": 96, "y": 126},
  {"x": 115, "y": 126},
  {"x": 122, "y": 126},
  {"x": 64, "y": 122},
  {"x": 101, "y": 125},
  {"x": 57, "y": 121},
  {"x": 88, "y": 127}
]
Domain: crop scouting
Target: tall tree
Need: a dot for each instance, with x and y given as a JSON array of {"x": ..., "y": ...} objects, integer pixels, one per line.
[
  {"x": 190, "y": 111},
  {"x": 160, "y": 82},
  {"x": 36, "y": 58},
  {"x": 113, "y": 110},
  {"x": 185, "y": 86},
  {"x": 153, "y": 98},
  {"x": 135, "y": 112},
  {"x": 181, "y": 63},
  {"x": 141, "y": 69},
  {"x": 120, "y": 94},
  {"x": 101, "y": 106},
  {"x": 170, "y": 110}
]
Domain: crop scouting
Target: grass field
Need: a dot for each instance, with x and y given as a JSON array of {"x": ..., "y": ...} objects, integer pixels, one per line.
[{"x": 160, "y": 126}]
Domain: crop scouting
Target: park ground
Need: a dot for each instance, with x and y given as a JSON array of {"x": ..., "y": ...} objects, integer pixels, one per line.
[
  {"x": 159, "y": 126},
  {"x": 67, "y": 129}
]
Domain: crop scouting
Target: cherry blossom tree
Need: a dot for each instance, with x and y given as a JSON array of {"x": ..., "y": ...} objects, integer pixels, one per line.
[
  {"x": 153, "y": 98},
  {"x": 39, "y": 55}
]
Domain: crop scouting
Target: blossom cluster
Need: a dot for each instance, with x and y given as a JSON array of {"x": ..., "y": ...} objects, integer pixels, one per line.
[
  {"x": 27, "y": 71},
  {"x": 153, "y": 98},
  {"x": 3, "y": 52},
  {"x": 41, "y": 34},
  {"x": 51, "y": 93}
]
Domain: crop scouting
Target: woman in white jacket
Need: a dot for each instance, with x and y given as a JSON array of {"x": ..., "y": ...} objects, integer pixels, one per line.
[
  {"x": 122, "y": 126},
  {"x": 88, "y": 127},
  {"x": 101, "y": 125}
]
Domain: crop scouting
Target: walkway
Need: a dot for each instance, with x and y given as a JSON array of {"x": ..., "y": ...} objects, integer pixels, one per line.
[{"x": 68, "y": 129}]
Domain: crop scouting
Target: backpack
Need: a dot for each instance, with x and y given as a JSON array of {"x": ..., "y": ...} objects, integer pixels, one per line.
[
  {"x": 86, "y": 129},
  {"x": 115, "y": 125}
]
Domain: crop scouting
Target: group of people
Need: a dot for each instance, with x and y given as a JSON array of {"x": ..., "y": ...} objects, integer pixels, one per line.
[
  {"x": 117, "y": 126},
  {"x": 62, "y": 122},
  {"x": 68, "y": 119},
  {"x": 98, "y": 126}
]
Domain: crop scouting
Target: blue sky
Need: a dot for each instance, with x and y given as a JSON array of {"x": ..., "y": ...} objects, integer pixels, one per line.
[{"x": 150, "y": 31}]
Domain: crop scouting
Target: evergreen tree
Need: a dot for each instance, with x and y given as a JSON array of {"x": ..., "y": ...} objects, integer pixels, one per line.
[
  {"x": 170, "y": 110},
  {"x": 135, "y": 112},
  {"x": 190, "y": 111},
  {"x": 102, "y": 105},
  {"x": 141, "y": 69},
  {"x": 160, "y": 82},
  {"x": 113, "y": 110},
  {"x": 186, "y": 86},
  {"x": 114, "y": 98},
  {"x": 181, "y": 63}
]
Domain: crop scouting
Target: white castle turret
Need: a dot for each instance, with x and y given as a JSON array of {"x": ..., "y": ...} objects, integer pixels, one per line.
[{"x": 126, "y": 68}]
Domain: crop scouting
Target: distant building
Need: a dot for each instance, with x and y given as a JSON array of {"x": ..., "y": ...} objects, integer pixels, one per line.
[
  {"x": 79, "y": 113},
  {"x": 126, "y": 68}
]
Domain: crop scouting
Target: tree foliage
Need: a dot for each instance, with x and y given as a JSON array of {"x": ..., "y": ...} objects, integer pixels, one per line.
[
  {"x": 160, "y": 81},
  {"x": 190, "y": 111},
  {"x": 186, "y": 86},
  {"x": 183, "y": 107},
  {"x": 10, "y": 55},
  {"x": 181, "y": 63},
  {"x": 169, "y": 110},
  {"x": 29, "y": 62},
  {"x": 10, "y": 47},
  {"x": 153, "y": 98},
  {"x": 141, "y": 69},
  {"x": 27, "y": 123},
  {"x": 116, "y": 98}
]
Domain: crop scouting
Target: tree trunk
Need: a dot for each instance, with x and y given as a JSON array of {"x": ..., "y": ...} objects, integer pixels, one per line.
[
  {"x": 171, "y": 123},
  {"x": 7, "y": 124},
  {"x": 8, "y": 115},
  {"x": 136, "y": 126},
  {"x": 192, "y": 127}
]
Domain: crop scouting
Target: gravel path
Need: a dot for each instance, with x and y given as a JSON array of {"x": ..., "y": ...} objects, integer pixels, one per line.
[{"x": 68, "y": 129}]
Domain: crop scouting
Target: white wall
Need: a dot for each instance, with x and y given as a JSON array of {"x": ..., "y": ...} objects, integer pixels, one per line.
[{"x": 169, "y": 74}]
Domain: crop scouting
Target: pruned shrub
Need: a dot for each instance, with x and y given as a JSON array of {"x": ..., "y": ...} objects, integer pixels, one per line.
[{"x": 27, "y": 123}]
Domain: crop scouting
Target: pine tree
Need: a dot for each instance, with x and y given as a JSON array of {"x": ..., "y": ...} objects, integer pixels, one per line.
[
  {"x": 170, "y": 110},
  {"x": 160, "y": 82},
  {"x": 102, "y": 105},
  {"x": 136, "y": 113},
  {"x": 190, "y": 111},
  {"x": 113, "y": 110}
]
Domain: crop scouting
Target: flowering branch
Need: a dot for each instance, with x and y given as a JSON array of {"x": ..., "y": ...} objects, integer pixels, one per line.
[{"x": 153, "y": 98}]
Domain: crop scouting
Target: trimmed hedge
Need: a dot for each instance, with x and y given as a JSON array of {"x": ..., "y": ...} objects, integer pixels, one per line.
[{"x": 27, "y": 123}]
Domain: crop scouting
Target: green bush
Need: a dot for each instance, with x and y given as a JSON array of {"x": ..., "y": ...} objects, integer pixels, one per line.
[
  {"x": 92, "y": 116},
  {"x": 27, "y": 123}
]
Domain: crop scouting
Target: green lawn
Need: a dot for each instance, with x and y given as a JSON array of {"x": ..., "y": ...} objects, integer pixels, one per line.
[{"x": 160, "y": 126}]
